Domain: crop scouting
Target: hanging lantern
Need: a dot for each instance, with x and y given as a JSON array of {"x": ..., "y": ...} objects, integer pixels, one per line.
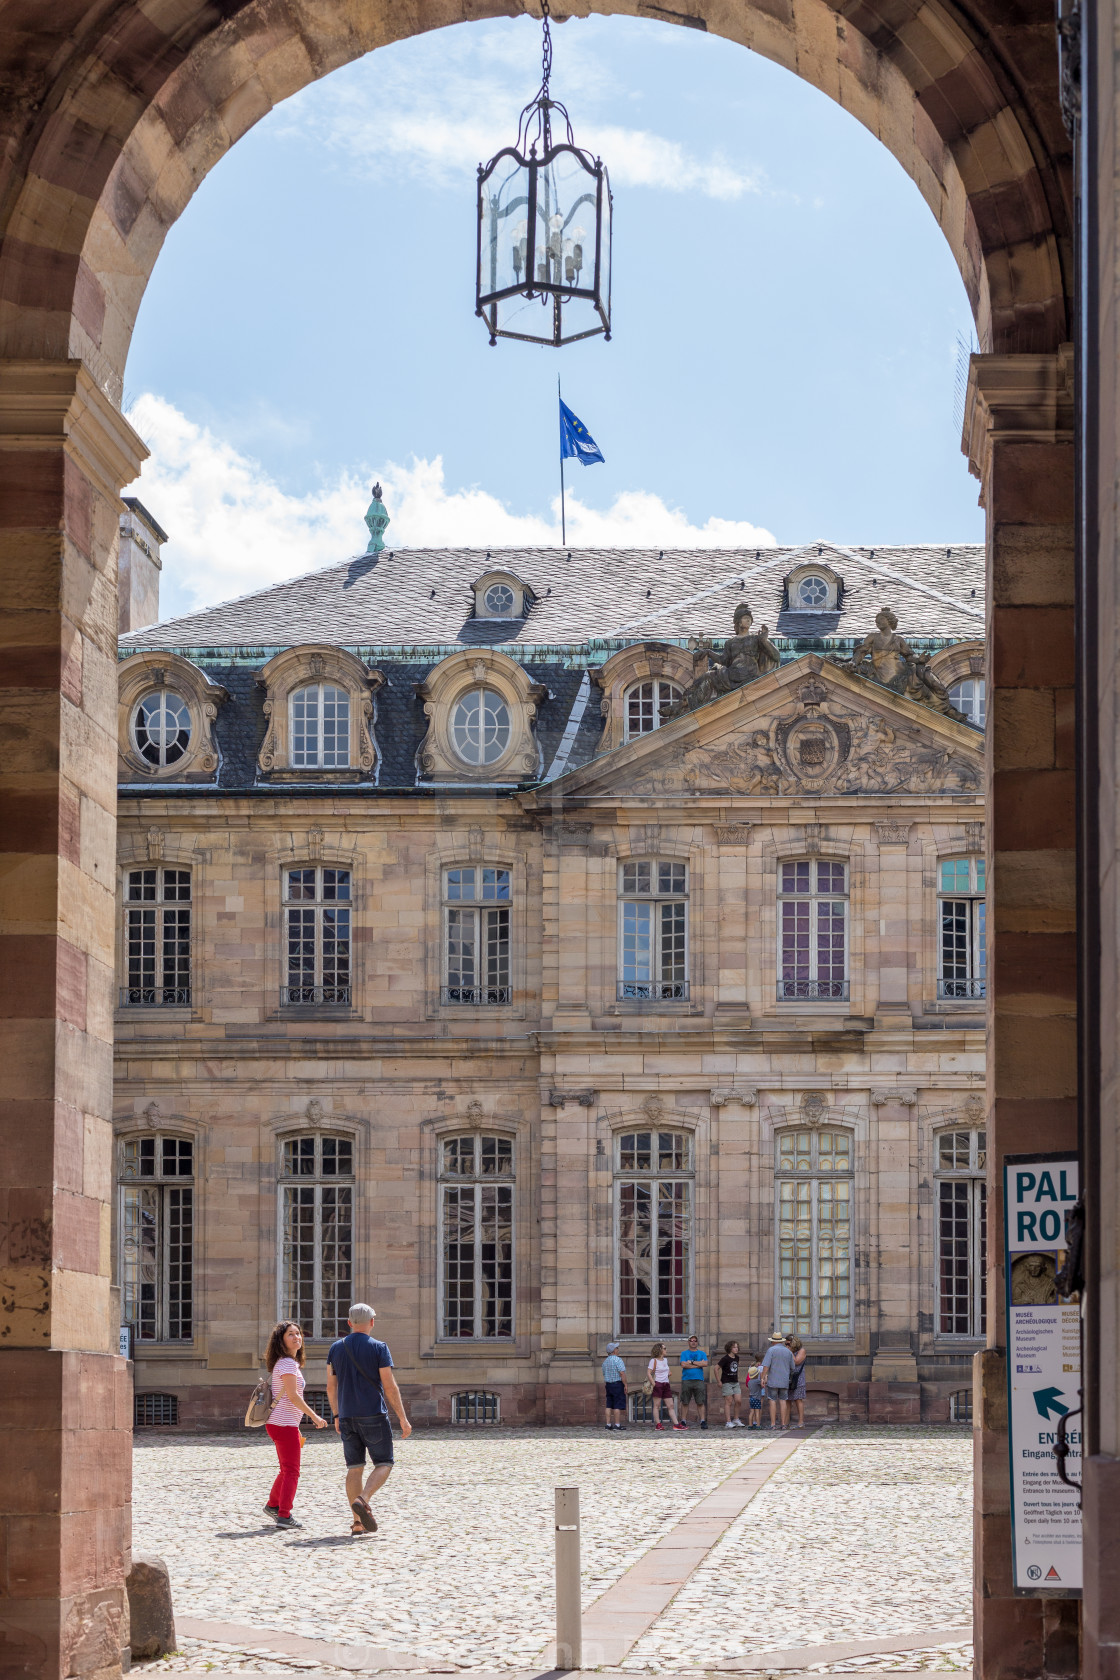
[{"x": 544, "y": 231}]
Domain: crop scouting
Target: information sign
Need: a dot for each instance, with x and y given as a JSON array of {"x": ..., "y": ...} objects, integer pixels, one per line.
[{"x": 1043, "y": 1375}]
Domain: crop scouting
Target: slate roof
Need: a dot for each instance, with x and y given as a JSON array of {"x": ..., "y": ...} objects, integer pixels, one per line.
[
  {"x": 405, "y": 609},
  {"x": 411, "y": 597}
]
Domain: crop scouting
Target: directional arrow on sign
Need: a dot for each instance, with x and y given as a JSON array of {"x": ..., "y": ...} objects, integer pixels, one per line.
[{"x": 1048, "y": 1400}]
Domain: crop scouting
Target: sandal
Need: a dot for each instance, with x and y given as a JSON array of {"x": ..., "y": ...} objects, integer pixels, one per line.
[
  {"x": 356, "y": 1527},
  {"x": 364, "y": 1515}
]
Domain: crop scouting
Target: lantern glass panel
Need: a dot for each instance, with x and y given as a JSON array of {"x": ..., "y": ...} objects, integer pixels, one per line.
[{"x": 544, "y": 246}]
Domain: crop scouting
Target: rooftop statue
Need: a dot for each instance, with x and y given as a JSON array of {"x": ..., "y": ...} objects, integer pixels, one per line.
[
  {"x": 376, "y": 520},
  {"x": 886, "y": 658},
  {"x": 743, "y": 659}
]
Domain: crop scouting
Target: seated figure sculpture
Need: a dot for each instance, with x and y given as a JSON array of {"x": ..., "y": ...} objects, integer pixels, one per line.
[
  {"x": 743, "y": 659},
  {"x": 886, "y": 658}
]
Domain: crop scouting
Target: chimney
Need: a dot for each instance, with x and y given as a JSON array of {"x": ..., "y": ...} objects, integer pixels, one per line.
[{"x": 139, "y": 567}]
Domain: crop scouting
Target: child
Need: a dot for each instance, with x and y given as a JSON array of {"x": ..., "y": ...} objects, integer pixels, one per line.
[
  {"x": 614, "y": 1382},
  {"x": 728, "y": 1370},
  {"x": 754, "y": 1392}
]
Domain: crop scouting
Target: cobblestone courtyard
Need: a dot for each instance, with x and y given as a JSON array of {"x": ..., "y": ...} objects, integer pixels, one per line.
[{"x": 862, "y": 1534}]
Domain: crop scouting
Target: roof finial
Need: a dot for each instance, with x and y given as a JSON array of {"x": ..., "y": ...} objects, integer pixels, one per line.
[{"x": 376, "y": 521}]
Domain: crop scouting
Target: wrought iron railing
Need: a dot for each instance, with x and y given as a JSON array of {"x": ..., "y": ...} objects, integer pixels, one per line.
[
  {"x": 660, "y": 991},
  {"x": 813, "y": 991},
  {"x": 155, "y": 997},
  {"x": 295, "y": 995},
  {"x": 480, "y": 995},
  {"x": 971, "y": 988}
]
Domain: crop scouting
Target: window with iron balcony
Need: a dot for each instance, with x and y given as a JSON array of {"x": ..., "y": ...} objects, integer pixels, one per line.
[
  {"x": 317, "y": 936},
  {"x": 812, "y": 930},
  {"x": 157, "y": 938},
  {"x": 476, "y": 936},
  {"x": 653, "y": 931}
]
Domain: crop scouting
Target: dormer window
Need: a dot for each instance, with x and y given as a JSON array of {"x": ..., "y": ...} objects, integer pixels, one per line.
[
  {"x": 812, "y": 588},
  {"x": 500, "y": 595},
  {"x": 161, "y": 728},
  {"x": 499, "y": 600},
  {"x": 812, "y": 593}
]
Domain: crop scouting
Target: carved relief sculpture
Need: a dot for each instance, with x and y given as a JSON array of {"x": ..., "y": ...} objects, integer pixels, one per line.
[{"x": 743, "y": 659}]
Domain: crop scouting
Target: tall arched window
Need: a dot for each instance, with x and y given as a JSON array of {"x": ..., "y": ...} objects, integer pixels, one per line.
[
  {"x": 653, "y": 1247},
  {"x": 476, "y": 1236},
  {"x": 317, "y": 1233},
  {"x": 962, "y": 961},
  {"x": 813, "y": 930},
  {"x": 962, "y": 1232},
  {"x": 157, "y": 1237},
  {"x": 814, "y": 1186},
  {"x": 320, "y": 728},
  {"x": 643, "y": 706}
]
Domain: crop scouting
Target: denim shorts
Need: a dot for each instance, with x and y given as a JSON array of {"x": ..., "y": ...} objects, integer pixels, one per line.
[
  {"x": 616, "y": 1397},
  {"x": 360, "y": 1433},
  {"x": 773, "y": 1393}
]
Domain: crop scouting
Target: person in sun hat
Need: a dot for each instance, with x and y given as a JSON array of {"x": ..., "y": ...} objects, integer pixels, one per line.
[
  {"x": 614, "y": 1382},
  {"x": 777, "y": 1374}
]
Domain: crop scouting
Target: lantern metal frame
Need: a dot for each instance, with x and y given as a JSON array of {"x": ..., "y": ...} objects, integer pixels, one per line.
[{"x": 535, "y": 152}]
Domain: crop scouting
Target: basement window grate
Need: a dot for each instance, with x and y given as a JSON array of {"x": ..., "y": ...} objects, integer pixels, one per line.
[
  {"x": 156, "y": 1411},
  {"x": 475, "y": 1407},
  {"x": 316, "y": 1398},
  {"x": 960, "y": 1406}
]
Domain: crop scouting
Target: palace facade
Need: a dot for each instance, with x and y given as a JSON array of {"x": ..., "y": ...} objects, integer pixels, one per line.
[{"x": 455, "y": 976}]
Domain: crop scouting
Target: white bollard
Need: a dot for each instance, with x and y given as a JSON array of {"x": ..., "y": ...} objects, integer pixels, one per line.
[{"x": 569, "y": 1612}]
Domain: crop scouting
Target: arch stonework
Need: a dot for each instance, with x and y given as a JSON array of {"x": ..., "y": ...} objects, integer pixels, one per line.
[
  {"x": 110, "y": 117},
  {"x": 102, "y": 163}
]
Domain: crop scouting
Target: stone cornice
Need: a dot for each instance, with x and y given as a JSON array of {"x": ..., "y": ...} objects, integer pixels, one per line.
[
  {"x": 59, "y": 403},
  {"x": 1025, "y": 399}
]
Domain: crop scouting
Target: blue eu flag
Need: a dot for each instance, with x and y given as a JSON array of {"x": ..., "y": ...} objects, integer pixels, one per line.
[{"x": 575, "y": 439}]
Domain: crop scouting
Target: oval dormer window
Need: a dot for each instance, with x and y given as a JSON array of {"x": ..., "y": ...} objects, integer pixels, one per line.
[
  {"x": 813, "y": 593},
  {"x": 480, "y": 726},
  {"x": 161, "y": 728},
  {"x": 499, "y": 600}
]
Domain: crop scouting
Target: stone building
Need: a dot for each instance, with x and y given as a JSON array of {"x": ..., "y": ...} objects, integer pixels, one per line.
[{"x": 498, "y": 941}]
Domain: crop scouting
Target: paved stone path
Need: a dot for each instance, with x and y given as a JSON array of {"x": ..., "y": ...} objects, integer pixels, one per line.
[{"x": 860, "y": 1539}]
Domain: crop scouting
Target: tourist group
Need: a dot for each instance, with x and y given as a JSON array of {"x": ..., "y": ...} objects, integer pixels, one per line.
[{"x": 778, "y": 1377}]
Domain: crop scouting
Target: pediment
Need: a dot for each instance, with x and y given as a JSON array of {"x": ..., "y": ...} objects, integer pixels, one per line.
[{"x": 808, "y": 728}]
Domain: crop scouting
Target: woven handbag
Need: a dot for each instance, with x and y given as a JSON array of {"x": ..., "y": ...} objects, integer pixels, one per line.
[{"x": 261, "y": 1402}]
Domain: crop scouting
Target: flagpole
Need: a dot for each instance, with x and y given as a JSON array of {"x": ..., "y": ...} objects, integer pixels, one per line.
[{"x": 563, "y": 509}]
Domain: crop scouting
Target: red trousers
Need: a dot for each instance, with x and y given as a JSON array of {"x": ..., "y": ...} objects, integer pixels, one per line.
[{"x": 288, "y": 1449}]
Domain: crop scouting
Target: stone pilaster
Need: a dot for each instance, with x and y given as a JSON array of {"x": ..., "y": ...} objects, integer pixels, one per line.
[
  {"x": 1019, "y": 440},
  {"x": 65, "y": 451}
]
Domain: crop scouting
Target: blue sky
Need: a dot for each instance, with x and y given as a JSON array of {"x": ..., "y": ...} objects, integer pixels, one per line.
[{"x": 786, "y": 316}]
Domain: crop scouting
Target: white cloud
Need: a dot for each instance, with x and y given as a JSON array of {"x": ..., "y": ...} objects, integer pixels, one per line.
[
  {"x": 449, "y": 103},
  {"x": 233, "y": 529}
]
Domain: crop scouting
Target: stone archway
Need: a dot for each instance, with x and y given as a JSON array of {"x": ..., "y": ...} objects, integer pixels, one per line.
[
  {"x": 140, "y": 114},
  {"x": 111, "y": 115}
]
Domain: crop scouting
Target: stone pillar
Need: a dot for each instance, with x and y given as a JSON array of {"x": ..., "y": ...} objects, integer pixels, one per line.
[
  {"x": 65, "y": 1448},
  {"x": 1019, "y": 440},
  {"x": 894, "y": 1395}
]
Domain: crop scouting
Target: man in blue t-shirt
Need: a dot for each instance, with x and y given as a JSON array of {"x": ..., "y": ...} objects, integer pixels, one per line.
[
  {"x": 694, "y": 1381},
  {"x": 359, "y": 1381}
]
